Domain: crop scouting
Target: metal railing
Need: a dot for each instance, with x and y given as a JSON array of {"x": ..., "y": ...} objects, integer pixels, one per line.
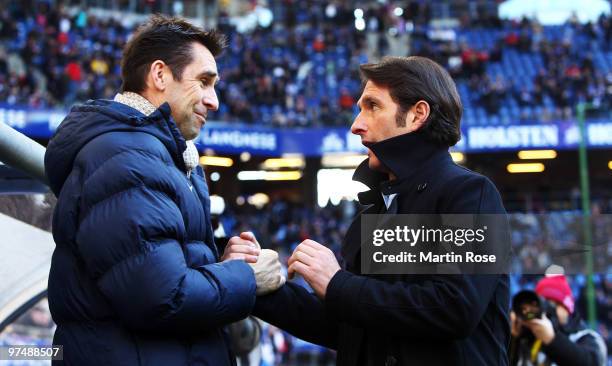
[{"x": 23, "y": 153}]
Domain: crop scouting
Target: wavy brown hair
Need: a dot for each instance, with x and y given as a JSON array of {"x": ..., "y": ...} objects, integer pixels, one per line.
[{"x": 411, "y": 79}]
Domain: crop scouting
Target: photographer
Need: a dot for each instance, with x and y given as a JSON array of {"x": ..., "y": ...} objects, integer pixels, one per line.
[{"x": 547, "y": 331}]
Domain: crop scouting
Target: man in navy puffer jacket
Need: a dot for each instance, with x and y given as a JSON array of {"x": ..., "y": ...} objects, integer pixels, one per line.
[{"x": 135, "y": 277}]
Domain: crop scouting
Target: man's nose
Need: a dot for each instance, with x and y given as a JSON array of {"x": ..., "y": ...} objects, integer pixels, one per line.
[
  {"x": 210, "y": 100},
  {"x": 358, "y": 127}
]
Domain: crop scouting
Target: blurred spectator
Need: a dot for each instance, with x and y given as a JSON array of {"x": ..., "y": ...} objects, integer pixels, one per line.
[{"x": 550, "y": 331}]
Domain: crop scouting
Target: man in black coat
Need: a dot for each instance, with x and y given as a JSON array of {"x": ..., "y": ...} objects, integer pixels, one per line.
[{"x": 410, "y": 114}]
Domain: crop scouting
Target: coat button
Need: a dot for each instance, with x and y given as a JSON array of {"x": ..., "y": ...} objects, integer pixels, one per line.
[
  {"x": 391, "y": 361},
  {"x": 421, "y": 187}
]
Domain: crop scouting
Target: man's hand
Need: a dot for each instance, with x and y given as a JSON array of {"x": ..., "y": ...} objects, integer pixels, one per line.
[
  {"x": 268, "y": 275},
  {"x": 244, "y": 247},
  {"x": 316, "y": 263},
  {"x": 515, "y": 325},
  {"x": 247, "y": 235},
  {"x": 542, "y": 329}
]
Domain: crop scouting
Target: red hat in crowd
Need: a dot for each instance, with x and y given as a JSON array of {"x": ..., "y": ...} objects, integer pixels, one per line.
[{"x": 556, "y": 288}]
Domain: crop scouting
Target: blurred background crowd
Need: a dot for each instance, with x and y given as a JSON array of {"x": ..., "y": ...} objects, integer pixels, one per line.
[
  {"x": 302, "y": 69},
  {"x": 298, "y": 66}
]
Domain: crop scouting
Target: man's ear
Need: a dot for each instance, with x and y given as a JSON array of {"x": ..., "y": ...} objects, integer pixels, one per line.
[
  {"x": 419, "y": 115},
  {"x": 158, "y": 77}
]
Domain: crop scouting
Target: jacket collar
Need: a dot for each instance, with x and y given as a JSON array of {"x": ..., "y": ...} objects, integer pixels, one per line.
[
  {"x": 404, "y": 156},
  {"x": 191, "y": 157},
  {"x": 96, "y": 117},
  {"x": 136, "y": 101}
]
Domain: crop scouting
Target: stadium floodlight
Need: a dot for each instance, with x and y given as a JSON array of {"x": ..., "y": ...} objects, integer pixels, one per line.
[
  {"x": 342, "y": 160},
  {"x": 537, "y": 154},
  {"x": 610, "y": 165},
  {"x": 216, "y": 161},
  {"x": 286, "y": 175},
  {"x": 277, "y": 163},
  {"x": 245, "y": 156},
  {"x": 268, "y": 175},
  {"x": 251, "y": 175},
  {"x": 358, "y": 13},
  {"x": 398, "y": 11},
  {"x": 525, "y": 168}
]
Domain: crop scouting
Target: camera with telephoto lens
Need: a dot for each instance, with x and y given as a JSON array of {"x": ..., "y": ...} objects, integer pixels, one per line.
[{"x": 528, "y": 305}]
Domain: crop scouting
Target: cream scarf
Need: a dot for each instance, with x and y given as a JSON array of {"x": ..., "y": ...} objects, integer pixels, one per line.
[{"x": 141, "y": 104}]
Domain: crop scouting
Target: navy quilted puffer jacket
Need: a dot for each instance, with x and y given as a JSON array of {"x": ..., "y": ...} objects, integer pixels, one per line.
[{"x": 134, "y": 276}]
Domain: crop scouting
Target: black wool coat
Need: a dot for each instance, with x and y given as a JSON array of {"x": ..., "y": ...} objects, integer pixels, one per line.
[{"x": 405, "y": 319}]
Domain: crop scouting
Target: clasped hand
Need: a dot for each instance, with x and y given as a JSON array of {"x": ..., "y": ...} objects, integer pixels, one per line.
[
  {"x": 316, "y": 263},
  {"x": 264, "y": 262}
]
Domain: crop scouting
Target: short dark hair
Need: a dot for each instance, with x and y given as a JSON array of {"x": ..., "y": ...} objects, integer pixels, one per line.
[
  {"x": 415, "y": 78},
  {"x": 168, "y": 39}
]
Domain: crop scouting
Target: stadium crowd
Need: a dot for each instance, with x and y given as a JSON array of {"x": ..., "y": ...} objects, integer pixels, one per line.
[{"x": 302, "y": 70}]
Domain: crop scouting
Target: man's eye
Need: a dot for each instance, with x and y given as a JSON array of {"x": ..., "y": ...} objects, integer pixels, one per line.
[{"x": 205, "y": 82}]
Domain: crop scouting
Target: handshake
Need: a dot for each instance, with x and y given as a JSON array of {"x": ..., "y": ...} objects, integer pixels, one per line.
[
  {"x": 264, "y": 262},
  {"x": 315, "y": 262}
]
